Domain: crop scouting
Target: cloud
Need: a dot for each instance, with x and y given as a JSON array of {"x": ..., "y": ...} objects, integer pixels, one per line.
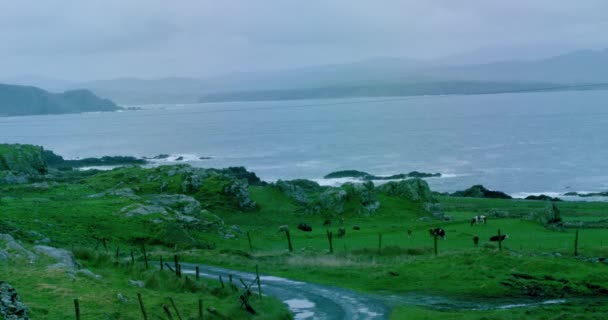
[{"x": 153, "y": 38}]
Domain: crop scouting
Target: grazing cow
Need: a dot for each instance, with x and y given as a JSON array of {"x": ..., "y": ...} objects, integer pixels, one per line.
[
  {"x": 476, "y": 240},
  {"x": 479, "y": 219},
  {"x": 341, "y": 232},
  {"x": 437, "y": 232},
  {"x": 304, "y": 227},
  {"x": 356, "y": 228},
  {"x": 327, "y": 223},
  {"x": 497, "y": 238},
  {"x": 283, "y": 228}
]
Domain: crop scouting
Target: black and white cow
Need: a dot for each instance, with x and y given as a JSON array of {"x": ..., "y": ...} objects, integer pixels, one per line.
[
  {"x": 479, "y": 219},
  {"x": 502, "y": 237},
  {"x": 305, "y": 227},
  {"x": 437, "y": 232}
]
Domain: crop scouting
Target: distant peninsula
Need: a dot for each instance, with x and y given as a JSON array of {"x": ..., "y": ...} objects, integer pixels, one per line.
[
  {"x": 25, "y": 100},
  {"x": 367, "y": 177}
]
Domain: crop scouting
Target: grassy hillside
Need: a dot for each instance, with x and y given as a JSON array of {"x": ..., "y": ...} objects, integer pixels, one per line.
[{"x": 205, "y": 215}]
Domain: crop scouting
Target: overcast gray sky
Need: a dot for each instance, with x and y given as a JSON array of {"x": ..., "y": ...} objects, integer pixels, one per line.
[{"x": 86, "y": 39}]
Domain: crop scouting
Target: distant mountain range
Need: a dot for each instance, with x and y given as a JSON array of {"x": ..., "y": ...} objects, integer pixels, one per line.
[
  {"x": 585, "y": 69},
  {"x": 18, "y": 100}
]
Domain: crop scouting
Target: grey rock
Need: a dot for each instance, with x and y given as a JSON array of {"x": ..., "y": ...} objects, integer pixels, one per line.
[
  {"x": 416, "y": 190},
  {"x": 65, "y": 259},
  {"x": 43, "y": 241},
  {"x": 239, "y": 189},
  {"x": 137, "y": 283},
  {"x": 14, "y": 249},
  {"x": 12, "y": 178},
  {"x": 187, "y": 219},
  {"x": 122, "y": 298},
  {"x": 293, "y": 190},
  {"x": 179, "y": 202},
  {"x": 366, "y": 193},
  {"x": 142, "y": 210},
  {"x": 4, "y": 255},
  {"x": 122, "y": 192},
  {"x": 11, "y": 307},
  {"x": 89, "y": 273},
  {"x": 333, "y": 200},
  {"x": 236, "y": 229}
]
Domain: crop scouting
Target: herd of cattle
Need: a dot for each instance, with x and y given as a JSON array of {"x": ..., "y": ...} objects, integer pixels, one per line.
[{"x": 434, "y": 232}]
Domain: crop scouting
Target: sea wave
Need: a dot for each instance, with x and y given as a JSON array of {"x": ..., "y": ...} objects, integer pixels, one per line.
[
  {"x": 177, "y": 158},
  {"x": 560, "y": 195}
]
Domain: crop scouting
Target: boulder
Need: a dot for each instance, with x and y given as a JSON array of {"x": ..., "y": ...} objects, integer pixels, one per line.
[
  {"x": 142, "y": 210},
  {"x": 10, "y": 248},
  {"x": 479, "y": 191},
  {"x": 365, "y": 194},
  {"x": 64, "y": 259},
  {"x": 240, "y": 191},
  {"x": 21, "y": 158},
  {"x": 122, "y": 192},
  {"x": 416, "y": 190},
  {"x": 298, "y": 189},
  {"x": 332, "y": 200},
  {"x": 179, "y": 202}
]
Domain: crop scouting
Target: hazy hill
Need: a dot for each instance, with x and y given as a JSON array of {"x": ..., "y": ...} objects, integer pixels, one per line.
[
  {"x": 380, "y": 76},
  {"x": 579, "y": 67},
  {"x": 23, "y": 100}
]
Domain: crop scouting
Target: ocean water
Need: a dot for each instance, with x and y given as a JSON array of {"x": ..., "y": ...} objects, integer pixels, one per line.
[{"x": 526, "y": 143}]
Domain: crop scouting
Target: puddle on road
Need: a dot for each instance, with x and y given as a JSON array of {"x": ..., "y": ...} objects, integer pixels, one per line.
[{"x": 301, "y": 308}]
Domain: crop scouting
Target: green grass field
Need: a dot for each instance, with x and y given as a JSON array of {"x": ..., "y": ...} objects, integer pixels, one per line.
[{"x": 400, "y": 264}]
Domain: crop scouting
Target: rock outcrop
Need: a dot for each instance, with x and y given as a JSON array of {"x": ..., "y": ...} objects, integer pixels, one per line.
[
  {"x": 11, "y": 307},
  {"x": 479, "y": 191},
  {"x": 11, "y": 249},
  {"x": 21, "y": 159},
  {"x": 416, "y": 190},
  {"x": 64, "y": 259}
]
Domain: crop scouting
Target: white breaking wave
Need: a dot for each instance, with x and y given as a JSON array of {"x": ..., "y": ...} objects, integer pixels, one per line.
[{"x": 177, "y": 158}]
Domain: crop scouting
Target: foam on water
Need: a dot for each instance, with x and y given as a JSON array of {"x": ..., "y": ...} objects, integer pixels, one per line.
[{"x": 186, "y": 157}]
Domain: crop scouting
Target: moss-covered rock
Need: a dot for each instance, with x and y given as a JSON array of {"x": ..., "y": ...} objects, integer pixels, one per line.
[
  {"x": 479, "y": 191},
  {"x": 416, "y": 190},
  {"x": 22, "y": 159}
]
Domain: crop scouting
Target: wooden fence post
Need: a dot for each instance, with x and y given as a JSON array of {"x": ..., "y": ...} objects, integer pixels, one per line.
[
  {"x": 162, "y": 267},
  {"x": 331, "y": 244},
  {"x": 499, "y": 241},
  {"x": 132, "y": 258},
  {"x": 576, "y": 244},
  {"x": 289, "y": 240},
  {"x": 117, "y": 251},
  {"x": 77, "y": 309},
  {"x": 249, "y": 240},
  {"x": 167, "y": 312},
  {"x": 200, "y": 309},
  {"x": 141, "y": 306},
  {"x": 143, "y": 249},
  {"x": 175, "y": 308},
  {"x": 197, "y": 273},
  {"x": 221, "y": 281},
  {"x": 435, "y": 243},
  {"x": 257, "y": 273},
  {"x": 176, "y": 262}
]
